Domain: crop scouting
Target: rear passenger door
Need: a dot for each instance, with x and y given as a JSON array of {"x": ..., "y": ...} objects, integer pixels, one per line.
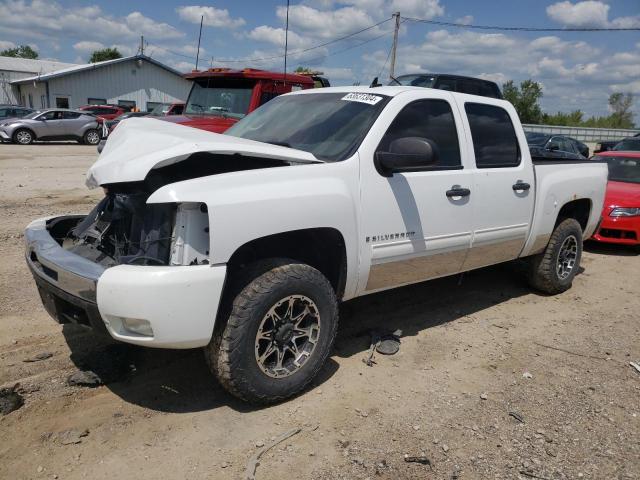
[
  {"x": 503, "y": 187},
  {"x": 71, "y": 124}
]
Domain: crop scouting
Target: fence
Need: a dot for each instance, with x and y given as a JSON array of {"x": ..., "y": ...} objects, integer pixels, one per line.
[{"x": 584, "y": 134}]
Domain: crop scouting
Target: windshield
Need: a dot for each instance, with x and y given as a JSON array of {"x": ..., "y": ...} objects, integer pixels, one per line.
[
  {"x": 534, "y": 138},
  {"x": 622, "y": 169},
  {"x": 227, "y": 101},
  {"x": 426, "y": 81},
  {"x": 328, "y": 125},
  {"x": 628, "y": 145}
]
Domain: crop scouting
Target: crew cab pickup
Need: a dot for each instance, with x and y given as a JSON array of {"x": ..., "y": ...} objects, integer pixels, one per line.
[{"x": 244, "y": 243}]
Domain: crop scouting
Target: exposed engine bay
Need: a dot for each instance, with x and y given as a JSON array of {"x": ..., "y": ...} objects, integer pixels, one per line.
[{"x": 123, "y": 229}]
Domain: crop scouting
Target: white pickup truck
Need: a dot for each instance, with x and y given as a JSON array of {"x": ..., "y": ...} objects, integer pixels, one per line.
[{"x": 244, "y": 243}]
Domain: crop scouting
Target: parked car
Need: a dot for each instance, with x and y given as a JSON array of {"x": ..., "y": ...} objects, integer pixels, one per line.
[
  {"x": 14, "y": 111},
  {"x": 244, "y": 243},
  {"x": 159, "y": 111},
  {"x": 542, "y": 145},
  {"x": 110, "y": 124},
  {"x": 621, "y": 212},
  {"x": 630, "y": 144},
  {"x": 52, "y": 124},
  {"x": 605, "y": 146},
  {"x": 106, "y": 112},
  {"x": 451, "y": 83},
  {"x": 166, "y": 109}
]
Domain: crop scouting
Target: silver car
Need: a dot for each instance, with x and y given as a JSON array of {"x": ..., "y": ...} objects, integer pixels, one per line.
[{"x": 52, "y": 124}]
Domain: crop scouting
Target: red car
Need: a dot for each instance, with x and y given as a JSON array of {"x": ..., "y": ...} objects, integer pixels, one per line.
[
  {"x": 106, "y": 112},
  {"x": 621, "y": 212}
]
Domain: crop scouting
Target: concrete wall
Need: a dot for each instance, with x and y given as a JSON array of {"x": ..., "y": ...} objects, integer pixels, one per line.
[
  {"x": 139, "y": 81},
  {"x": 584, "y": 134}
]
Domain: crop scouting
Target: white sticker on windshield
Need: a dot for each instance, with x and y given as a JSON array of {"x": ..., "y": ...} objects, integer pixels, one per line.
[{"x": 362, "y": 97}]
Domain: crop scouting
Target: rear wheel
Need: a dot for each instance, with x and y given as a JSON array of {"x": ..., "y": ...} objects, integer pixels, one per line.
[
  {"x": 553, "y": 270},
  {"x": 279, "y": 332},
  {"x": 91, "y": 137},
  {"x": 23, "y": 136}
]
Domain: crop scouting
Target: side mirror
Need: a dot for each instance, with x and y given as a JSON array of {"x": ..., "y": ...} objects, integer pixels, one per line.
[{"x": 408, "y": 154}]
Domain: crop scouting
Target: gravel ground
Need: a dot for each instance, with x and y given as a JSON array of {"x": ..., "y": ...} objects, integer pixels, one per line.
[{"x": 492, "y": 380}]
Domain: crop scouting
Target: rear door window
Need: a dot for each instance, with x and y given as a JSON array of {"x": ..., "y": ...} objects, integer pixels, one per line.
[{"x": 494, "y": 138}]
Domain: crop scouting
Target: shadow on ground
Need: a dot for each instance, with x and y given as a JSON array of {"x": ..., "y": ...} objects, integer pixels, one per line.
[
  {"x": 611, "y": 249},
  {"x": 180, "y": 381}
]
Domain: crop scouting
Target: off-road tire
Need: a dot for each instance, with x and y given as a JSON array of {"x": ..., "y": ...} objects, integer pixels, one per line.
[
  {"x": 18, "y": 133},
  {"x": 231, "y": 352},
  {"x": 91, "y": 137},
  {"x": 543, "y": 274}
]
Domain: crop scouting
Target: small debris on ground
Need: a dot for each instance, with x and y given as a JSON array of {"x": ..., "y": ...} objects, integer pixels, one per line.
[
  {"x": 527, "y": 375},
  {"x": 483, "y": 396},
  {"x": 421, "y": 459},
  {"x": 71, "y": 437},
  {"x": 517, "y": 416},
  {"x": 254, "y": 461},
  {"x": 84, "y": 378},
  {"x": 635, "y": 365},
  {"x": 10, "y": 400},
  {"x": 39, "y": 357}
]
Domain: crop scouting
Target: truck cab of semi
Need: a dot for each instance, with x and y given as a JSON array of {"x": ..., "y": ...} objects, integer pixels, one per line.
[{"x": 219, "y": 97}]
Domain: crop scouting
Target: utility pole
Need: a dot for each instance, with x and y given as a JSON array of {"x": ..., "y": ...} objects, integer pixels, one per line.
[
  {"x": 286, "y": 44},
  {"x": 199, "y": 37},
  {"x": 392, "y": 67},
  {"x": 141, "y": 44}
]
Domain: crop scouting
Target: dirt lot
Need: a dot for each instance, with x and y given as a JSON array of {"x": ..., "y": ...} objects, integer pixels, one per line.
[{"x": 473, "y": 351}]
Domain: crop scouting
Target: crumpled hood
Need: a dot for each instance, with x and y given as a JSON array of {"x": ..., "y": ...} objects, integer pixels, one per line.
[{"x": 139, "y": 145}]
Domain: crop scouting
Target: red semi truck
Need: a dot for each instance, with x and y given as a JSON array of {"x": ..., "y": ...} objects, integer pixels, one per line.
[{"x": 220, "y": 97}]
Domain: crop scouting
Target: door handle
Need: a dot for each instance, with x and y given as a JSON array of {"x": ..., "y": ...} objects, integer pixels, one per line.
[
  {"x": 521, "y": 186},
  {"x": 458, "y": 192}
]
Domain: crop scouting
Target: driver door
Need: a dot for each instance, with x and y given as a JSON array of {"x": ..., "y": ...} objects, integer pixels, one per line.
[
  {"x": 416, "y": 225},
  {"x": 49, "y": 124}
]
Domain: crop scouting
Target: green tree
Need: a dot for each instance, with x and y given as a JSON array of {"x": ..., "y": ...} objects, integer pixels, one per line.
[
  {"x": 622, "y": 116},
  {"x": 525, "y": 98},
  {"x": 105, "y": 54},
  {"x": 307, "y": 71},
  {"x": 22, "y": 51}
]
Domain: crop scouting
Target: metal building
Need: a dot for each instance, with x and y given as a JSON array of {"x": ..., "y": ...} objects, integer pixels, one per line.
[
  {"x": 12, "y": 69},
  {"x": 138, "y": 81}
]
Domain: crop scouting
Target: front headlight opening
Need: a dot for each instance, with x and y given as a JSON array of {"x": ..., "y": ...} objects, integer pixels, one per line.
[
  {"x": 625, "y": 212},
  {"x": 190, "y": 244}
]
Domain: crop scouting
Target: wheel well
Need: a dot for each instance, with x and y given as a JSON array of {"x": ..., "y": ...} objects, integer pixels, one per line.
[
  {"x": 33, "y": 134},
  {"x": 578, "y": 210},
  {"x": 322, "y": 248}
]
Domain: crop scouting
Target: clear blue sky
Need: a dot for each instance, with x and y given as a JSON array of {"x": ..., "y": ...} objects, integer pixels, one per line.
[{"x": 577, "y": 70}]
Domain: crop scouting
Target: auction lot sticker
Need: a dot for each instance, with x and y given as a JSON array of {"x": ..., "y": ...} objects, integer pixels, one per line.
[{"x": 362, "y": 97}]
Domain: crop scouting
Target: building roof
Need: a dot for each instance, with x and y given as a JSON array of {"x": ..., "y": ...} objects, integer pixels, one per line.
[
  {"x": 28, "y": 65},
  {"x": 70, "y": 70}
]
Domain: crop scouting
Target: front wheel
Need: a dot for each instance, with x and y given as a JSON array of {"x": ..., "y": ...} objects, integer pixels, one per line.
[
  {"x": 553, "y": 270},
  {"x": 278, "y": 334},
  {"x": 91, "y": 137},
  {"x": 23, "y": 136}
]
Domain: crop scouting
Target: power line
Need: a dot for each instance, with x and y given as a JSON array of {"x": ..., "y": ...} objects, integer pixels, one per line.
[
  {"x": 190, "y": 57},
  {"x": 520, "y": 29},
  {"x": 386, "y": 34},
  {"x": 304, "y": 50},
  {"x": 385, "y": 62}
]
